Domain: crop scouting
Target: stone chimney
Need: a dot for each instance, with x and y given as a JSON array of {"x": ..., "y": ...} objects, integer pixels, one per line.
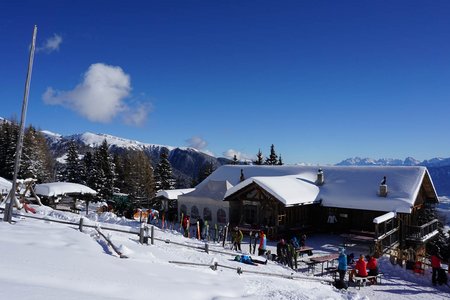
[
  {"x": 383, "y": 188},
  {"x": 320, "y": 177}
]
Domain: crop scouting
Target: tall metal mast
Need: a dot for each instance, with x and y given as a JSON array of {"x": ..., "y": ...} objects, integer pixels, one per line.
[{"x": 7, "y": 216}]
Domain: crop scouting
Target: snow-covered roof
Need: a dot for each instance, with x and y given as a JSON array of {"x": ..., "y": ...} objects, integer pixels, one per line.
[
  {"x": 384, "y": 218},
  {"x": 5, "y": 185},
  {"x": 213, "y": 189},
  {"x": 288, "y": 189},
  {"x": 344, "y": 187},
  {"x": 62, "y": 188},
  {"x": 173, "y": 194}
]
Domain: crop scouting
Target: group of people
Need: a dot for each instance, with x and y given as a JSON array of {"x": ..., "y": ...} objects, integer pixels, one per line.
[
  {"x": 238, "y": 236},
  {"x": 360, "y": 268},
  {"x": 287, "y": 252}
]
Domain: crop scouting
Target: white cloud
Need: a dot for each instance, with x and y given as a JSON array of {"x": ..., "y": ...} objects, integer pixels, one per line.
[
  {"x": 137, "y": 116},
  {"x": 100, "y": 97},
  {"x": 51, "y": 44},
  {"x": 197, "y": 142},
  {"x": 230, "y": 153},
  {"x": 200, "y": 144}
]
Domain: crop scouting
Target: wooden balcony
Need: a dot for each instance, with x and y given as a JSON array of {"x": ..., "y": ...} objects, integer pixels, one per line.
[{"x": 422, "y": 233}]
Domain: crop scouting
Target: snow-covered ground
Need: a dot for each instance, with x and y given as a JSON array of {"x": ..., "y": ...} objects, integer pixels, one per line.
[{"x": 40, "y": 259}]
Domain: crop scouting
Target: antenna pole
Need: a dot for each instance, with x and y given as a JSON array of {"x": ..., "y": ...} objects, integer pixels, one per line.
[{"x": 7, "y": 215}]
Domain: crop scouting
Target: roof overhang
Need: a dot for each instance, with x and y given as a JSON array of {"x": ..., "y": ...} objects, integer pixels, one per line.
[{"x": 289, "y": 190}]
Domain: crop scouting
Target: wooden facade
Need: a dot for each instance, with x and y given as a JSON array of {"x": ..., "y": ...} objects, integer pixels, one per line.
[{"x": 256, "y": 207}]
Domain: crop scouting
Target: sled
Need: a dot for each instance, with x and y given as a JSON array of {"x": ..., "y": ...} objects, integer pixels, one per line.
[{"x": 29, "y": 208}]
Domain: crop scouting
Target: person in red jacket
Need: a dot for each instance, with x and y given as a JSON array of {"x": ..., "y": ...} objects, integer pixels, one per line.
[
  {"x": 361, "y": 267},
  {"x": 436, "y": 265},
  {"x": 372, "y": 266}
]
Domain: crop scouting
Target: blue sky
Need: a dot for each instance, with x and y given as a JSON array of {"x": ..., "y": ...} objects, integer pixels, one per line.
[{"x": 321, "y": 80}]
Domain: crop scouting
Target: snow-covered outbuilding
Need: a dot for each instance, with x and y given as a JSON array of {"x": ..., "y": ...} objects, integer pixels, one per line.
[
  {"x": 388, "y": 203},
  {"x": 169, "y": 201},
  {"x": 63, "y": 193}
]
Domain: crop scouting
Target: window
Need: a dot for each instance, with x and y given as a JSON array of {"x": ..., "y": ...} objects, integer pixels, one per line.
[
  {"x": 221, "y": 216},
  {"x": 250, "y": 214},
  {"x": 207, "y": 215}
]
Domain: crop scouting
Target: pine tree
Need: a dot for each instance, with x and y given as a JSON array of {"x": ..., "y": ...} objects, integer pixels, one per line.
[
  {"x": 47, "y": 162},
  {"x": 73, "y": 171},
  {"x": 280, "y": 161},
  {"x": 119, "y": 164},
  {"x": 259, "y": 158},
  {"x": 144, "y": 176},
  {"x": 105, "y": 171},
  {"x": 273, "y": 158},
  {"x": 89, "y": 170},
  {"x": 36, "y": 161},
  {"x": 163, "y": 173},
  {"x": 205, "y": 171},
  {"x": 139, "y": 181},
  {"x": 8, "y": 142}
]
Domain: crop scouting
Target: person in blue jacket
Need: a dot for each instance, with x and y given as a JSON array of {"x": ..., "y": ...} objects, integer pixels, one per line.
[
  {"x": 247, "y": 259},
  {"x": 342, "y": 266}
]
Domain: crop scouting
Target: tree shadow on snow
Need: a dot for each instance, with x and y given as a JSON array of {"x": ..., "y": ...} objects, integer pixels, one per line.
[{"x": 105, "y": 247}]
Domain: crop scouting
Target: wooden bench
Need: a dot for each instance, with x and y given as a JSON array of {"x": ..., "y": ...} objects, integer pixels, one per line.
[
  {"x": 362, "y": 281},
  {"x": 310, "y": 265}
]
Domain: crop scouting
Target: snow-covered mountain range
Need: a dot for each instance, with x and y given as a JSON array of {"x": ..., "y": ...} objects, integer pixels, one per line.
[
  {"x": 439, "y": 168},
  {"x": 186, "y": 162},
  {"x": 409, "y": 161}
]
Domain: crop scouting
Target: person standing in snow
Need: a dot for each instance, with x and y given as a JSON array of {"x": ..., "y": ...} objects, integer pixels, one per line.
[
  {"x": 342, "y": 265},
  {"x": 250, "y": 241},
  {"x": 237, "y": 238},
  {"x": 262, "y": 243},
  {"x": 436, "y": 266},
  {"x": 331, "y": 221},
  {"x": 292, "y": 256},
  {"x": 254, "y": 242},
  {"x": 282, "y": 252}
]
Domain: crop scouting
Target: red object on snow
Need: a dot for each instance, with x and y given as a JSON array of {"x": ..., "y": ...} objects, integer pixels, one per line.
[{"x": 29, "y": 208}]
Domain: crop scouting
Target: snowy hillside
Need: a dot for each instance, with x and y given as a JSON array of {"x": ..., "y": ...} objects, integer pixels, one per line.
[{"x": 45, "y": 260}]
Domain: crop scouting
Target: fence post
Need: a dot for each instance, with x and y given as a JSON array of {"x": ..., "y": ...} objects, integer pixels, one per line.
[
  {"x": 152, "y": 235},
  {"x": 141, "y": 233},
  {"x": 80, "y": 226},
  {"x": 206, "y": 248}
]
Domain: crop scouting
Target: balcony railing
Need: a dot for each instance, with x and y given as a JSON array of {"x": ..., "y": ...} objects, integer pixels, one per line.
[{"x": 422, "y": 233}]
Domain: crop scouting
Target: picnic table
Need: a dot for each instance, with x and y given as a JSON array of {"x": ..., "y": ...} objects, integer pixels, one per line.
[
  {"x": 357, "y": 237},
  {"x": 324, "y": 259},
  {"x": 304, "y": 249}
]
